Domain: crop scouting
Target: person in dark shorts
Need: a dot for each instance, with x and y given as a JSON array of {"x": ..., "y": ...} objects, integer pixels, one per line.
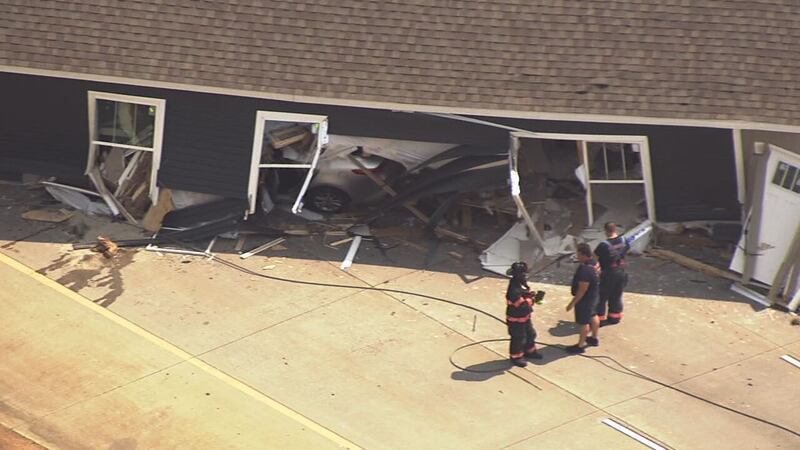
[
  {"x": 613, "y": 279},
  {"x": 585, "y": 295},
  {"x": 519, "y": 309}
]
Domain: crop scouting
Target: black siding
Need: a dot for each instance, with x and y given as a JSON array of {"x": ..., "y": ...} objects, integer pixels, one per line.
[
  {"x": 693, "y": 168},
  {"x": 208, "y": 140}
]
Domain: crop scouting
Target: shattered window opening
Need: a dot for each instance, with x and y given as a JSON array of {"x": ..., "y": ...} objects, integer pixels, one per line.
[{"x": 129, "y": 124}]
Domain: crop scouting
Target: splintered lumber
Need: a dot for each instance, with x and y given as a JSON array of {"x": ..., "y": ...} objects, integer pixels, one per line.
[
  {"x": 155, "y": 215},
  {"x": 693, "y": 264},
  {"x": 340, "y": 242},
  {"x": 41, "y": 215},
  {"x": 287, "y": 136},
  {"x": 261, "y": 248},
  {"x": 413, "y": 209}
]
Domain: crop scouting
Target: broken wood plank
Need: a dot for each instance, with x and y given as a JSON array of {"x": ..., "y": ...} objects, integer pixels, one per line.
[
  {"x": 287, "y": 136},
  {"x": 693, "y": 264},
  {"x": 108, "y": 197},
  {"x": 413, "y": 245},
  {"x": 240, "y": 244},
  {"x": 127, "y": 175},
  {"x": 155, "y": 215},
  {"x": 340, "y": 242},
  {"x": 388, "y": 189},
  {"x": 413, "y": 209},
  {"x": 456, "y": 255},
  {"x": 41, "y": 215},
  {"x": 261, "y": 248}
]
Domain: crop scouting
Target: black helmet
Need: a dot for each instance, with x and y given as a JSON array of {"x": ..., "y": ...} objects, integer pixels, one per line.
[{"x": 518, "y": 269}]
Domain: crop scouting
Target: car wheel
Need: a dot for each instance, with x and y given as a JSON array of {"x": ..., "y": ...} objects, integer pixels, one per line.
[{"x": 327, "y": 199}]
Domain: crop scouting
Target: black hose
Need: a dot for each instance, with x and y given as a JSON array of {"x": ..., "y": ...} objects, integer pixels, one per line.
[{"x": 625, "y": 370}]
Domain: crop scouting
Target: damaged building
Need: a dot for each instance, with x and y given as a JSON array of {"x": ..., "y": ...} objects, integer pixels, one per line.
[{"x": 551, "y": 117}]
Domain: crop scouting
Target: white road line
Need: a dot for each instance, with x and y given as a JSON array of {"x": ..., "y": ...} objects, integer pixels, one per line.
[
  {"x": 791, "y": 360},
  {"x": 630, "y": 433}
]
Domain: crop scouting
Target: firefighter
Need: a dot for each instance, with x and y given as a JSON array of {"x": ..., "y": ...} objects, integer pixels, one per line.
[
  {"x": 585, "y": 299},
  {"x": 519, "y": 309},
  {"x": 613, "y": 279}
]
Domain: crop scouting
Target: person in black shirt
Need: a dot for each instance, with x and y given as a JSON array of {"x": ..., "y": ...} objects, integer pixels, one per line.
[
  {"x": 584, "y": 299},
  {"x": 613, "y": 279},
  {"x": 519, "y": 309}
]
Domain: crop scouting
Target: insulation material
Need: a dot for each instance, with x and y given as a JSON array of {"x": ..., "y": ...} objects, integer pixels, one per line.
[
  {"x": 78, "y": 201},
  {"x": 511, "y": 247},
  {"x": 407, "y": 153}
]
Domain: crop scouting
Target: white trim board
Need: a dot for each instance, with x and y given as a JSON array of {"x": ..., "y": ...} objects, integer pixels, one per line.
[
  {"x": 642, "y": 141},
  {"x": 791, "y": 360},
  {"x": 633, "y": 434},
  {"x": 404, "y": 107}
]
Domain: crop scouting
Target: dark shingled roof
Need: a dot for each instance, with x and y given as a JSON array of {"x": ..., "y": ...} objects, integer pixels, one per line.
[{"x": 687, "y": 59}]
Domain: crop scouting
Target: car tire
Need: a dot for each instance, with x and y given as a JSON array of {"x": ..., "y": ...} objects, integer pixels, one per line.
[{"x": 327, "y": 199}]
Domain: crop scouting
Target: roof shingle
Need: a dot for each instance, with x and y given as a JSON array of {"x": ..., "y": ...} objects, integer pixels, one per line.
[{"x": 715, "y": 59}]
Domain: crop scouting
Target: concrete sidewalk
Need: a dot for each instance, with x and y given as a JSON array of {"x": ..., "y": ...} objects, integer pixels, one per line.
[
  {"x": 75, "y": 375},
  {"x": 371, "y": 366}
]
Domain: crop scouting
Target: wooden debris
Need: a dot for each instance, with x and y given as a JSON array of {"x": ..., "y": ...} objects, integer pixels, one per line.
[
  {"x": 240, "y": 244},
  {"x": 413, "y": 209},
  {"x": 41, "y": 215},
  {"x": 456, "y": 255},
  {"x": 106, "y": 246},
  {"x": 155, "y": 215},
  {"x": 340, "y": 242},
  {"x": 287, "y": 136},
  {"x": 693, "y": 264},
  {"x": 261, "y": 248}
]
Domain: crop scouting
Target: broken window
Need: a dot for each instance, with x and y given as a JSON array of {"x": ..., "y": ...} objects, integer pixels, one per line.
[
  {"x": 286, "y": 150},
  {"x": 125, "y": 141},
  {"x": 125, "y": 123}
]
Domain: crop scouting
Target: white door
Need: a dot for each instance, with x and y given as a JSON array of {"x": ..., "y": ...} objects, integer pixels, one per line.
[{"x": 779, "y": 218}]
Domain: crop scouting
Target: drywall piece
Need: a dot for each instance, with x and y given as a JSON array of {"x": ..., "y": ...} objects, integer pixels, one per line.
[
  {"x": 513, "y": 246},
  {"x": 76, "y": 198},
  {"x": 639, "y": 237},
  {"x": 71, "y": 188},
  {"x": 185, "y": 199},
  {"x": 351, "y": 253},
  {"x": 749, "y": 293}
]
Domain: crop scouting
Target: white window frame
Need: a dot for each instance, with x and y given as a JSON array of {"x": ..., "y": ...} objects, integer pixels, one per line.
[
  {"x": 258, "y": 143},
  {"x": 644, "y": 147},
  {"x": 645, "y": 181},
  {"x": 158, "y": 132}
]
